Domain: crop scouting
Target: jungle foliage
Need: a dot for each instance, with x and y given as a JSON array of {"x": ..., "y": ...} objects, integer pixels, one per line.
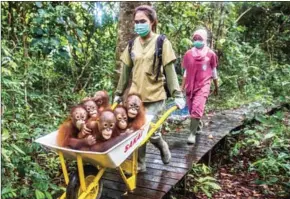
[
  {"x": 55, "y": 53},
  {"x": 262, "y": 147}
]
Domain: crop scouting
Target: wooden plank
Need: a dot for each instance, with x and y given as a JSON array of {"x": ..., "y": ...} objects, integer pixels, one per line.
[
  {"x": 111, "y": 193},
  {"x": 183, "y": 146},
  {"x": 140, "y": 182},
  {"x": 144, "y": 192},
  {"x": 159, "y": 179},
  {"x": 185, "y": 157},
  {"x": 175, "y": 135},
  {"x": 173, "y": 159},
  {"x": 182, "y": 154},
  {"x": 181, "y": 134},
  {"x": 173, "y": 144},
  {"x": 174, "y": 152},
  {"x": 153, "y": 172},
  {"x": 166, "y": 168},
  {"x": 163, "y": 173},
  {"x": 130, "y": 196},
  {"x": 152, "y": 176},
  {"x": 174, "y": 164}
]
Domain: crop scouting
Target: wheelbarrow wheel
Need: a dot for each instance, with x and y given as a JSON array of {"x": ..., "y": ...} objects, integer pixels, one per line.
[{"x": 73, "y": 190}]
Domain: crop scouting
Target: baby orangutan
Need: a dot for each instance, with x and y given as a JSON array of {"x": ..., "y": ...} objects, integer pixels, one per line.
[
  {"x": 122, "y": 119},
  {"x": 102, "y": 100},
  {"x": 90, "y": 125},
  {"x": 136, "y": 112},
  {"x": 106, "y": 126},
  {"x": 68, "y": 131},
  {"x": 106, "y": 132},
  {"x": 91, "y": 107}
]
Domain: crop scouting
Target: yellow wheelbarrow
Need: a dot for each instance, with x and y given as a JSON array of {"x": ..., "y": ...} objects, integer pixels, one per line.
[{"x": 86, "y": 182}]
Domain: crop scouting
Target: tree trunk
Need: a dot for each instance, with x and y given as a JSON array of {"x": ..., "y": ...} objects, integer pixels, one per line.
[{"x": 125, "y": 30}]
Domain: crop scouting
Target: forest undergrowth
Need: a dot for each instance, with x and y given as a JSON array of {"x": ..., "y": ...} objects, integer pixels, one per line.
[
  {"x": 53, "y": 54},
  {"x": 253, "y": 162}
]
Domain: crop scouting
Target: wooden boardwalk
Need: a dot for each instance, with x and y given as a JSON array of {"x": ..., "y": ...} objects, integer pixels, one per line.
[{"x": 160, "y": 178}]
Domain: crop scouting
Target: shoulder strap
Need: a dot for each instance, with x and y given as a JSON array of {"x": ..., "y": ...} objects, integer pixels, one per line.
[
  {"x": 158, "y": 54},
  {"x": 130, "y": 46}
]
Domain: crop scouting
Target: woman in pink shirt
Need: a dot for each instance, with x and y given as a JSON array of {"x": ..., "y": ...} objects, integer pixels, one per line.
[{"x": 200, "y": 65}]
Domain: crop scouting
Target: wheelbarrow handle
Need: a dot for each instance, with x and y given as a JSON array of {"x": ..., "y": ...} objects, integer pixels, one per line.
[
  {"x": 114, "y": 105},
  {"x": 155, "y": 126}
]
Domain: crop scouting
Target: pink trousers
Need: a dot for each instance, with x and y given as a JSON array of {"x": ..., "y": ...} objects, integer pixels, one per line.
[{"x": 196, "y": 105}]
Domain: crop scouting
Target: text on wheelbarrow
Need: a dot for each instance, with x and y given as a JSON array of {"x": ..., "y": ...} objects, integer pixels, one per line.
[{"x": 133, "y": 141}]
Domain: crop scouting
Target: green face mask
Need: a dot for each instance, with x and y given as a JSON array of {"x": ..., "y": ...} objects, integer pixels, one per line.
[
  {"x": 198, "y": 44},
  {"x": 142, "y": 29}
]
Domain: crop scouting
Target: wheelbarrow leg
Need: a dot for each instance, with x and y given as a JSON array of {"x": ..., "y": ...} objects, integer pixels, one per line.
[
  {"x": 63, "y": 166},
  {"x": 81, "y": 172},
  {"x": 63, "y": 196},
  {"x": 131, "y": 181}
]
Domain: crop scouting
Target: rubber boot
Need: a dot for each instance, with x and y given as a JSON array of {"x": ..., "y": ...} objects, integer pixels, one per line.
[
  {"x": 163, "y": 147},
  {"x": 200, "y": 126},
  {"x": 141, "y": 159},
  {"x": 194, "y": 123}
]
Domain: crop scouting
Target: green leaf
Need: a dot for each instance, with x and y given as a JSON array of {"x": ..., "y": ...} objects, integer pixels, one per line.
[
  {"x": 38, "y": 4},
  {"x": 221, "y": 41},
  {"x": 259, "y": 161},
  {"x": 18, "y": 149},
  {"x": 269, "y": 135},
  {"x": 5, "y": 71},
  {"x": 273, "y": 179},
  {"x": 80, "y": 33},
  {"x": 207, "y": 178},
  {"x": 213, "y": 185},
  {"x": 195, "y": 189},
  {"x": 205, "y": 169},
  {"x": 5, "y": 133},
  {"x": 13, "y": 65},
  {"x": 207, "y": 193},
  {"x": 285, "y": 83},
  {"x": 48, "y": 195},
  {"x": 39, "y": 194},
  {"x": 7, "y": 190},
  {"x": 6, "y": 154},
  {"x": 261, "y": 119},
  {"x": 250, "y": 132}
]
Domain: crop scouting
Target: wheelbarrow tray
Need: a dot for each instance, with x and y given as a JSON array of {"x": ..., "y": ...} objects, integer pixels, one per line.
[{"x": 111, "y": 158}]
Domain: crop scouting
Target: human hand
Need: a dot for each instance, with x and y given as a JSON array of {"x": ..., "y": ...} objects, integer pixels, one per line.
[
  {"x": 129, "y": 131},
  {"x": 182, "y": 88},
  {"x": 180, "y": 102},
  {"x": 216, "y": 91},
  {"x": 117, "y": 99}
]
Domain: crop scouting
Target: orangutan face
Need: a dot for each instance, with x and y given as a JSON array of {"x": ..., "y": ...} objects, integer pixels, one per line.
[
  {"x": 79, "y": 117},
  {"x": 121, "y": 116},
  {"x": 107, "y": 124},
  {"x": 133, "y": 106},
  {"x": 91, "y": 108}
]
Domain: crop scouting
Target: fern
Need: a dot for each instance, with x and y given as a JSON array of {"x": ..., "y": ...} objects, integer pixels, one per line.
[{"x": 8, "y": 193}]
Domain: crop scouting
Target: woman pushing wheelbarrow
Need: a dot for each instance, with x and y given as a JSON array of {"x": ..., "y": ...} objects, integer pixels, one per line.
[{"x": 149, "y": 58}]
